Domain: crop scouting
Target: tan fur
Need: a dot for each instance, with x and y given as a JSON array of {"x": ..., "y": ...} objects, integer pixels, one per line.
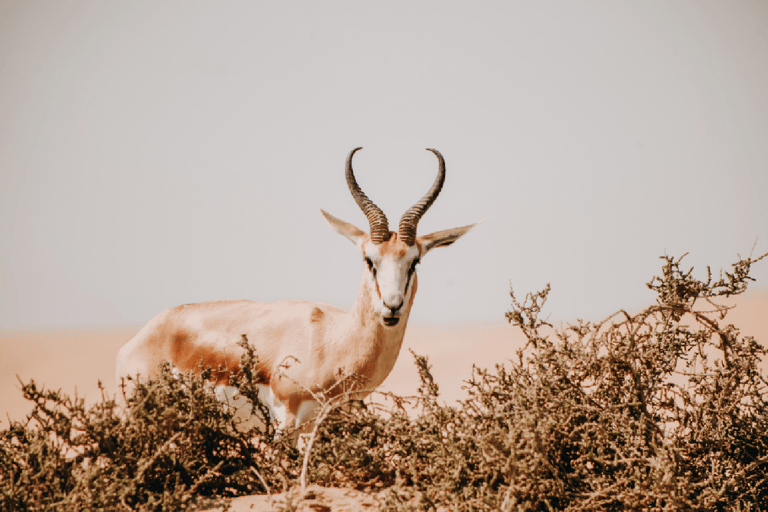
[
  {"x": 316, "y": 343},
  {"x": 393, "y": 247},
  {"x": 303, "y": 348}
]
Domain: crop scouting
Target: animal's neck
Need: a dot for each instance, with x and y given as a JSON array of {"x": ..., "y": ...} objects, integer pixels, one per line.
[{"x": 375, "y": 346}]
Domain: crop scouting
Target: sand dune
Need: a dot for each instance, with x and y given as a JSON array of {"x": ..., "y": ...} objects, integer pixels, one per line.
[{"x": 75, "y": 360}]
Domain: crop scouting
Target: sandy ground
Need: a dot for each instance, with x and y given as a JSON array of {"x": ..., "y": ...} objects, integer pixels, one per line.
[
  {"x": 315, "y": 499},
  {"x": 76, "y": 360}
]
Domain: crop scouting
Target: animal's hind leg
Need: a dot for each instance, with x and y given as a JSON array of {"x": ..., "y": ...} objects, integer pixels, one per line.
[
  {"x": 306, "y": 415},
  {"x": 303, "y": 421},
  {"x": 243, "y": 410}
]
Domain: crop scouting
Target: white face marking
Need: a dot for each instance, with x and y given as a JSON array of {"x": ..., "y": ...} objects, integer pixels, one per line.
[{"x": 392, "y": 274}]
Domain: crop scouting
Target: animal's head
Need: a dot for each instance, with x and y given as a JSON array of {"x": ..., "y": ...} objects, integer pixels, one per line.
[{"x": 391, "y": 257}]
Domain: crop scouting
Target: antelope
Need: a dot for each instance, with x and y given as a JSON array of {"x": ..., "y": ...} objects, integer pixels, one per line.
[{"x": 322, "y": 343}]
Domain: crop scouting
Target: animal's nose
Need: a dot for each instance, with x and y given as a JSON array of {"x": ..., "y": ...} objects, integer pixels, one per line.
[{"x": 394, "y": 302}]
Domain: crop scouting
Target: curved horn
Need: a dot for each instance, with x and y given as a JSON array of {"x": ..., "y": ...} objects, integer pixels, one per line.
[
  {"x": 376, "y": 218},
  {"x": 410, "y": 219}
]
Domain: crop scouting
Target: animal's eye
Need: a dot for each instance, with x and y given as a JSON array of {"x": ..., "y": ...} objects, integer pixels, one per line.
[
  {"x": 413, "y": 266},
  {"x": 370, "y": 265}
]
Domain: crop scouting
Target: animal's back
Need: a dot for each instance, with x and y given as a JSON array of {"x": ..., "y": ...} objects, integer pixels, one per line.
[{"x": 208, "y": 335}]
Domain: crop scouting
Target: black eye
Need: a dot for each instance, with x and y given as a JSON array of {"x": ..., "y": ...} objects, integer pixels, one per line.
[
  {"x": 370, "y": 265},
  {"x": 413, "y": 266}
]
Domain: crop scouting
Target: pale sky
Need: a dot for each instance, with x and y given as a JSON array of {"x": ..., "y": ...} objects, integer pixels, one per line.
[{"x": 160, "y": 153}]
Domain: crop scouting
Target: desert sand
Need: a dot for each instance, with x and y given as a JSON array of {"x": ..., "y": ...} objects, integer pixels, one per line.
[{"x": 75, "y": 360}]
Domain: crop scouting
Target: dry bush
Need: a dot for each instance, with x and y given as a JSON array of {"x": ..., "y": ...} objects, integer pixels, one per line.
[
  {"x": 661, "y": 410},
  {"x": 664, "y": 409},
  {"x": 172, "y": 445}
]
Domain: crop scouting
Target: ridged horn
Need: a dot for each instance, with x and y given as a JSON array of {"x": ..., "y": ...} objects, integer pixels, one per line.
[
  {"x": 376, "y": 218},
  {"x": 410, "y": 219}
]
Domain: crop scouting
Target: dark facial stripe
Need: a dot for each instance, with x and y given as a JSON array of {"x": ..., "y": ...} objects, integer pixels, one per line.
[{"x": 376, "y": 282}]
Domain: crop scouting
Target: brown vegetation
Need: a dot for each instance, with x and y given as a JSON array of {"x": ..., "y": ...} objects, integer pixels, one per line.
[{"x": 664, "y": 409}]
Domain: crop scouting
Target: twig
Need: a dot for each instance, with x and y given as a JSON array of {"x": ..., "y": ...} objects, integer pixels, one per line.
[{"x": 264, "y": 483}]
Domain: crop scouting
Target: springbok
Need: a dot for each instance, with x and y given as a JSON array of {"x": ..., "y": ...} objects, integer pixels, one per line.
[{"x": 322, "y": 343}]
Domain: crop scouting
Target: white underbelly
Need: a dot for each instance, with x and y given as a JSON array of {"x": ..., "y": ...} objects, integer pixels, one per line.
[{"x": 246, "y": 417}]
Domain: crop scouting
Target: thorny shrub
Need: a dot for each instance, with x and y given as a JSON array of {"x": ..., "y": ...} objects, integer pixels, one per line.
[
  {"x": 172, "y": 445},
  {"x": 664, "y": 409},
  {"x": 660, "y": 410}
]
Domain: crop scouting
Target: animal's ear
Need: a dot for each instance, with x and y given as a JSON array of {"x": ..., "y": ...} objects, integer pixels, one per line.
[
  {"x": 443, "y": 238},
  {"x": 353, "y": 233}
]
